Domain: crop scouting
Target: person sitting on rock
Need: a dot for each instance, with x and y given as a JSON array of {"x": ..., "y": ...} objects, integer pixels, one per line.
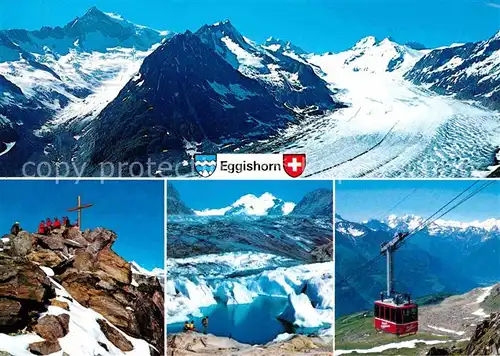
[
  {"x": 48, "y": 224},
  {"x": 15, "y": 229},
  {"x": 42, "y": 229},
  {"x": 191, "y": 326},
  {"x": 57, "y": 223},
  {"x": 186, "y": 326}
]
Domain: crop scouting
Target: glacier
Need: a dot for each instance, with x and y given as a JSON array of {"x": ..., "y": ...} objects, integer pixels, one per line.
[
  {"x": 241, "y": 277},
  {"x": 391, "y": 127},
  {"x": 300, "y": 312}
]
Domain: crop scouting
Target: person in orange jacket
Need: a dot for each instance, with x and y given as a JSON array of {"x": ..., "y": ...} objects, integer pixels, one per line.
[
  {"x": 41, "y": 228},
  {"x": 57, "y": 223}
]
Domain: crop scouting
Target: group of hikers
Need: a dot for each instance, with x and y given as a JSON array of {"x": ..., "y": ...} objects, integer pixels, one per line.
[
  {"x": 45, "y": 227},
  {"x": 189, "y": 326}
]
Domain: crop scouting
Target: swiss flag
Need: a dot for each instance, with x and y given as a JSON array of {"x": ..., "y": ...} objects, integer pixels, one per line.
[{"x": 294, "y": 164}]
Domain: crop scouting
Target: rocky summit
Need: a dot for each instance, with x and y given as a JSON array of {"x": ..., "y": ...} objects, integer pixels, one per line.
[
  {"x": 55, "y": 288},
  {"x": 193, "y": 343}
]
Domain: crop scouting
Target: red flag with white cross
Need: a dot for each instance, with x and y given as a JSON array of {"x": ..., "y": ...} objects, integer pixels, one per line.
[{"x": 294, "y": 164}]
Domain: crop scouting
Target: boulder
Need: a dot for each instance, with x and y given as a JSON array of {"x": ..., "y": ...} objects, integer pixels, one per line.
[
  {"x": 23, "y": 280},
  {"x": 44, "y": 257},
  {"x": 112, "y": 310},
  {"x": 79, "y": 285},
  {"x": 10, "y": 312},
  {"x": 99, "y": 239},
  {"x": 71, "y": 243},
  {"x": 57, "y": 303},
  {"x": 115, "y": 266},
  {"x": 44, "y": 347},
  {"x": 24, "y": 291},
  {"x": 84, "y": 261},
  {"x": 115, "y": 336},
  {"x": 51, "y": 242},
  {"x": 436, "y": 351},
  {"x": 21, "y": 245},
  {"x": 75, "y": 235},
  {"x": 51, "y": 327}
]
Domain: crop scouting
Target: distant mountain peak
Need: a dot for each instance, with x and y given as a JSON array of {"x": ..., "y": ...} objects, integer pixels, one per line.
[
  {"x": 94, "y": 11},
  {"x": 368, "y": 41},
  {"x": 226, "y": 28},
  {"x": 93, "y": 14},
  {"x": 277, "y": 44},
  {"x": 251, "y": 205},
  {"x": 411, "y": 221}
]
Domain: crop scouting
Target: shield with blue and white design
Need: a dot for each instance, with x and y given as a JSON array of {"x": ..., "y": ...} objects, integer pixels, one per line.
[{"x": 205, "y": 165}]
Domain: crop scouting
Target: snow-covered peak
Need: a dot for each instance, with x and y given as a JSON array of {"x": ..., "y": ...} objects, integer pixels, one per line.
[
  {"x": 278, "y": 45},
  {"x": 251, "y": 205},
  {"x": 222, "y": 29},
  {"x": 137, "y": 269},
  {"x": 93, "y": 31},
  {"x": 408, "y": 221},
  {"x": 488, "y": 224},
  {"x": 365, "y": 42},
  {"x": 411, "y": 222},
  {"x": 372, "y": 56}
]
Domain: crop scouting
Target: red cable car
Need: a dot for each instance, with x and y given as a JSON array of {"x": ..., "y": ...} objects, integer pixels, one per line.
[
  {"x": 395, "y": 314},
  {"x": 396, "y": 319}
]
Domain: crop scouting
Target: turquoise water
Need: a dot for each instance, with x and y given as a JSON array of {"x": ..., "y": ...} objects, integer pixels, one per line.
[{"x": 253, "y": 323}]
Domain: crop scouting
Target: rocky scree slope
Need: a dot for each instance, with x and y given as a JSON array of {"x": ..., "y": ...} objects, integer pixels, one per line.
[
  {"x": 45, "y": 281},
  {"x": 484, "y": 341}
]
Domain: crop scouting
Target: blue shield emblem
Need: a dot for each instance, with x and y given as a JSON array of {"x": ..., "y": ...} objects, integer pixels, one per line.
[{"x": 205, "y": 165}]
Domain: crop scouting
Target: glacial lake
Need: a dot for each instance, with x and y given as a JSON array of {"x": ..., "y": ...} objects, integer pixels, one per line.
[{"x": 254, "y": 323}]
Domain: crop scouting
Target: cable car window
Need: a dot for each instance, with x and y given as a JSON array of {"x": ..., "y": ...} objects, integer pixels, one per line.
[
  {"x": 413, "y": 314},
  {"x": 406, "y": 315},
  {"x": 399, "y": 316},
  {"x": 375, "y": 311}
]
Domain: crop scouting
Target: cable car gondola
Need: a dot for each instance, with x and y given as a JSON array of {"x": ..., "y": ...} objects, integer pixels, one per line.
[{"x": 395, "y": 313}]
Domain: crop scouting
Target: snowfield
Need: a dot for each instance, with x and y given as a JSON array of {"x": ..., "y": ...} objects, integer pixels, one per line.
[{"x": 239, "y": 278}]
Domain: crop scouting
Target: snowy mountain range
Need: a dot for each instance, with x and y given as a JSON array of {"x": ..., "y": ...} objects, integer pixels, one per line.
[
  {"x": 249, "y": 205},
  {"x": 421, "y": 266},
  {"x": 469, "y": 71},
  {"x": 103, "y": 89}
]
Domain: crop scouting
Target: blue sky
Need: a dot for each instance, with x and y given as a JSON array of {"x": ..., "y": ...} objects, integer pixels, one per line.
[
  {"x": 361, "y": 200},
  {"x": 205, "y": 194},
  {"x": 315, "y": 25},
  {"x": 129, "y": 208}
]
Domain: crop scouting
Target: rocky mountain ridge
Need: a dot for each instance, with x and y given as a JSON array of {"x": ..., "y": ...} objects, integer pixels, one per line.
[{"x": 70, "y": 291}]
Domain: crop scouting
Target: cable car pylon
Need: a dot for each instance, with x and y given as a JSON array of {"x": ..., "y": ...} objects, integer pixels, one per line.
[{"x": 395, "y": 313}]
